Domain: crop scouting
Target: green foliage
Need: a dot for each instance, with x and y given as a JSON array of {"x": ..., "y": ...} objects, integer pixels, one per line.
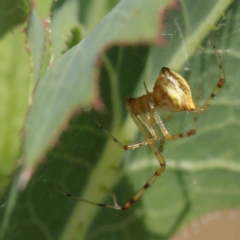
[
  {"x": 14, "y": 91},
  {"x": 12, "y": 13},
  {"x": 118, "y": 53},
  {"x": 14, "y": 82}
]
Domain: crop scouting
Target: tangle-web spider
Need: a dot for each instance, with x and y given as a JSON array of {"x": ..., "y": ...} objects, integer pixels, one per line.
[{"x": 171, "y": 93}]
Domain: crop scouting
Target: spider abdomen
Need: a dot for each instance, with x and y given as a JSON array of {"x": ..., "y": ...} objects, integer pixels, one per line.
[{"x": 171, "y": 92}]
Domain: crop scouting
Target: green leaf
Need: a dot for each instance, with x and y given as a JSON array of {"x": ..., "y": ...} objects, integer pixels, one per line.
[
  {"x": 12, "y": 13},
  {"x": 36, "y": 37},
  {"x": 14, "y": 91},
  {"x": 91, "y": 12},
  {"x": 70, "y": 82},
  {"x": 63, "y": 23},
  {"x": 202, "y": 171}
]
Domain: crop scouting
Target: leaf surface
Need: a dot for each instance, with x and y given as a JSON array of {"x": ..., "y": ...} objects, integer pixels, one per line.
[{"x": 202, "y": 171}]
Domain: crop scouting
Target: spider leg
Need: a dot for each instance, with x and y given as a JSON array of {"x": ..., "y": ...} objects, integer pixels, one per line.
[
  {"x": 129, "y": 203},
  {"x": 220, "y": 82},
  {"x": 197, "y": 110},
  {"x": 157, "y": 151},
  {"x": 132, "y": 200},
  {"x": 188, "y": 133},
  {"x": 132, "y": 146},
  {"x": 115, "y": 206},
  {"x": 159, "y": 172},
  {"x": 154, "y": 116},
  {"x": 170, "y": 136}
]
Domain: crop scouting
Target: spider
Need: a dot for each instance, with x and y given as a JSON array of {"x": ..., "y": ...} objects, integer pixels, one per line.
[{"x": 171, "y": 93}]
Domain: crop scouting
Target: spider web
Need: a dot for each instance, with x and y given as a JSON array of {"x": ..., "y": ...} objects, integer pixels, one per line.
[{"x": 202, "y": 172}]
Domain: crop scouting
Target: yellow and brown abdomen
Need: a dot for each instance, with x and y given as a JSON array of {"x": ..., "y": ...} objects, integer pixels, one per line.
[{"x": 172, "y": 93}]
